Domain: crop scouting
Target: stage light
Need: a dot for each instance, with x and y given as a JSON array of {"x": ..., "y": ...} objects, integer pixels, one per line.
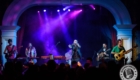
[
  {"x": 38, "y": 11},
  {"x": 92, "y": 7},
  {"x": 58, "y": 10},
  {"x": 68, "y": 9},
  {"x": 64, "y": 9},
  {"x": 44, "y": 10}
]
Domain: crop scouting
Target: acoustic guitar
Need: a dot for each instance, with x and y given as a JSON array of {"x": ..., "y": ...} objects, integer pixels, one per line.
[
  {"x": 102, "y": 55},
  {"x": 121, "y": 55}
]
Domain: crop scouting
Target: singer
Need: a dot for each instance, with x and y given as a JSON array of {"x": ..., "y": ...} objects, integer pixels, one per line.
[{"x": 76, "y": 54}]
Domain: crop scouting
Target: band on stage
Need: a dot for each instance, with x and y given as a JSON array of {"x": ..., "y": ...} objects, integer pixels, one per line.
[{"x": 74, "y": 53}]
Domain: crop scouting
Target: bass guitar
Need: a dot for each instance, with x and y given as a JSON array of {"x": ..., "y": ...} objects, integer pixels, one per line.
[
  {"x": 102, "y": 55},
  {"x": 121, "y": 55}
]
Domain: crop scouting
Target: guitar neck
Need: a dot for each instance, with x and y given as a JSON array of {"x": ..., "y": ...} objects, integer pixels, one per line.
[
  {"x": 128, "y": 51},
  {"x": 107, "y": 50}
]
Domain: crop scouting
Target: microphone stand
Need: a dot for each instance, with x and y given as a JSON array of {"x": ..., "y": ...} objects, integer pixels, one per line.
[
  {"x": 54, "y": 46},
  {"x": 94, "y": 55}
]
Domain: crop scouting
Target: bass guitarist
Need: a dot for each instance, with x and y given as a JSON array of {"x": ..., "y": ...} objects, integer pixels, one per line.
[
  {"x": 10, "y": 51},
  {"x": 117, "y": 49}
]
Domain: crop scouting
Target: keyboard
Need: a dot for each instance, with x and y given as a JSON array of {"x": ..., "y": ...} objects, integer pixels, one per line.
[{"x": 43, "y": 57}]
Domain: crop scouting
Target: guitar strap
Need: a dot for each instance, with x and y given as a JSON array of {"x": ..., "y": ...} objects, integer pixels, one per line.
[{"x": 12, "y": 49}]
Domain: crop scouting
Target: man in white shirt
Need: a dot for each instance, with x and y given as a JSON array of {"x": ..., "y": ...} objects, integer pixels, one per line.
[{"x": 31, "y": 54}]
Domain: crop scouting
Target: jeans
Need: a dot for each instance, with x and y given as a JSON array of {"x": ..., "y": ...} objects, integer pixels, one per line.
[{"x": 28, "y": 60}]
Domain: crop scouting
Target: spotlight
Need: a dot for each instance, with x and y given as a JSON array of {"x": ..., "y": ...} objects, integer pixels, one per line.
[
  {"x": 58, "y": 10},
  {"x": 44, "y": 10},
  {"x": 68, "y": 9},
  {"x": 38, "y": 11},
  {"x": 64, "y": 9}
]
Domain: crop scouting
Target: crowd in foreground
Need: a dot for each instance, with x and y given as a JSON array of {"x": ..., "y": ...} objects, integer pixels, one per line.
[{"x": 53, "y": 71}]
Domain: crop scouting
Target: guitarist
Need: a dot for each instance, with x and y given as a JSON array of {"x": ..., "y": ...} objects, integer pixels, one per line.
[
  {"x": 10, "y": 51},
  {"x": 104, "y": 51},
  {"x": 117, "y": 49}
]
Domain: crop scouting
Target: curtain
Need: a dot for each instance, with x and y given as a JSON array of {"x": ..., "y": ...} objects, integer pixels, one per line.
[
  {"x": 107, "y": 29},
  {"x": 109, "y": 32},
  {"x": 136, "y": 41},
  {"x": 114, "y": 37},
  {"x": 20, "y": 33}
]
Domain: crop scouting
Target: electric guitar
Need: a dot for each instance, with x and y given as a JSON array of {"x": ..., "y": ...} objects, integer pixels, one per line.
[
  {"x": 8, "y": 55},
  {"x": 121, "y": 55},
  {"x": 11, "y": 53},
  {"x": 102, "y": 55}
]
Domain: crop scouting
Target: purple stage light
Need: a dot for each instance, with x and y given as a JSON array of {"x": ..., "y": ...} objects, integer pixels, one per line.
[
  {"x": 64, "y": 9},
  {"x": 75, "y": 13},
  {"x": 92, "y": 7},
  {"x": 58, "y": 10},
  {"x": 44, "y": 10},
  {"x": 38, "y": 11},
  {"x": 68, "y": 9}
]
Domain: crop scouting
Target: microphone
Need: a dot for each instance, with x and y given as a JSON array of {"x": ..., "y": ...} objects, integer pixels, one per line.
[{"x": 58, "y": 42}]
